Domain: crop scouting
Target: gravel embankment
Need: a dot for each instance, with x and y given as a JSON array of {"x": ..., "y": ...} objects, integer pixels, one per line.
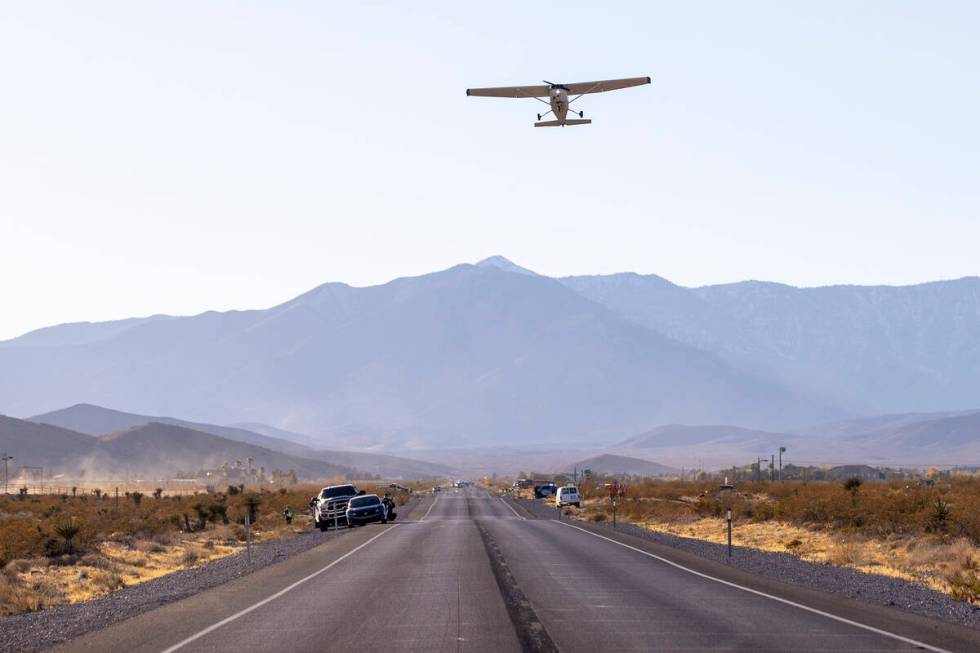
[
  {"x": 784, "y": 567},
  {"x": 34, "y": 631}
]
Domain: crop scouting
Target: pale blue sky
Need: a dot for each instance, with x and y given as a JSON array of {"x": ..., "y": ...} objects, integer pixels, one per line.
[{"x": 179, "y": 157}]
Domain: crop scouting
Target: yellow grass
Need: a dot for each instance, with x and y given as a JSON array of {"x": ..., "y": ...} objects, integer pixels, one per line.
[
  {"x": 113, "y": 567},
  {"x": 925, "y": 560}
]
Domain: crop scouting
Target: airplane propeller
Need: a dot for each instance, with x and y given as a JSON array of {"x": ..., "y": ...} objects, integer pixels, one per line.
[{"x": 553, "y": 85}]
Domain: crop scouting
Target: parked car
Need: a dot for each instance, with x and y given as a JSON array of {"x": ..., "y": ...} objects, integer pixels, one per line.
[
  {"x": 567, "y": 495},
  {"x": 365, "y": 509},
  {"x": 436, "y": 488},
  {"x": 400, "y": 488},
  {"x": 545, "y": 490},
  {"x": 331, "y": 506}
]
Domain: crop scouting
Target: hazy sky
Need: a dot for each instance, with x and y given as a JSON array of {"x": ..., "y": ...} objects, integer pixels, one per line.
[{"x": 179, "y": 157}]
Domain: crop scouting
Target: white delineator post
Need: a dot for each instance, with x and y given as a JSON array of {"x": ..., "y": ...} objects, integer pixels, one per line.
[
  {"x": 729, "y": 533},
  {"x": 248, "y": 537}
]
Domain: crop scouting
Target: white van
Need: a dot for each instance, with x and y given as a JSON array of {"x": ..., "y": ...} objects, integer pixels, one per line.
[{"x": 567, "y": 495}]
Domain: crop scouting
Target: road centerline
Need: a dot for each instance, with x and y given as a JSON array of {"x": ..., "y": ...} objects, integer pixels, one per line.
[{"x": 431, "y": 506}]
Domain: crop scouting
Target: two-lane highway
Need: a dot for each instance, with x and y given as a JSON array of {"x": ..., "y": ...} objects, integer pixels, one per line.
[{"x": 470, "y": 573}]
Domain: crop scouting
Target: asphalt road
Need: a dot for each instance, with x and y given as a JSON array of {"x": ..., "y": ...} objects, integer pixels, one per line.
[{"x": 466, "y": 571}]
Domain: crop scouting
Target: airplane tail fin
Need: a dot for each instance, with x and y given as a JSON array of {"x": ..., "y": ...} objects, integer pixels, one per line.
[{"x": 555, "y": 123}]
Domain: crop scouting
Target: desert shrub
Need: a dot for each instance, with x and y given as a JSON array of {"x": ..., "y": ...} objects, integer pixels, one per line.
[
  {"x": 964, "y": 582},
  {"x": 793, "y": 544},
  {"x": 846, "y": 552},
  {"x": 18, "y": 538},
  {"x": 107, "y": 580},
  {"x": 18, "y": 596},
  {"x": 17, "y": 567},
  {"x": 148, "y": 546},
  {"x": 190, "y": 557}
]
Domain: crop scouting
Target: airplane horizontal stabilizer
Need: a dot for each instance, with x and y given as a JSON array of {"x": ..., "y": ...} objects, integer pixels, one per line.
[{"x": 556, "y": 123}]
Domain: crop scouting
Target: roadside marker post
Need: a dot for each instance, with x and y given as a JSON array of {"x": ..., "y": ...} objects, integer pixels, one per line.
[
  {"x": 729, "y": 533},
  {"x": 248, "y": 537},
  {"x": 615, "y": 490}
]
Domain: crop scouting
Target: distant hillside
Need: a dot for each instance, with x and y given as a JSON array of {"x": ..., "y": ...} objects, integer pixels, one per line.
[
  {"x": 873, "y": 424},
  {"x": 43, "y": 445},
  {"x": 944, "y": 436},
  {"x": 388, "y": 467},
  {"x": 865, "y": 349},
  {"x": 674, "y": 435},
  {"x": 616, "y": 465},
  {"x": 153, "y": 450},
  {"x": 96, "y": 420}
]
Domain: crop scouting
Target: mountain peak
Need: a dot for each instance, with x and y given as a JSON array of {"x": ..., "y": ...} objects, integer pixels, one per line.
[{"x": 504, "y": 264}]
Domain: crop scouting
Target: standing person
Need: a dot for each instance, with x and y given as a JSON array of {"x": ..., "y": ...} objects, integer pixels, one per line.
[
  {"x": 288, "y": 514},
  {"x": 389, "y": 505}
]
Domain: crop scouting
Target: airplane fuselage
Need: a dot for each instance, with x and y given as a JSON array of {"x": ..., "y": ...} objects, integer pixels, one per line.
[{"x": 559, "y": 104}]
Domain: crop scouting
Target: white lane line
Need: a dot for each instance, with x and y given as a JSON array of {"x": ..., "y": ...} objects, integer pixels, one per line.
[
  {"x": 511, "y": 507},
  {"x": 856, "y": 624},
  {"x": 242, "y": 613},
  {"x": 434, "y": 501}
]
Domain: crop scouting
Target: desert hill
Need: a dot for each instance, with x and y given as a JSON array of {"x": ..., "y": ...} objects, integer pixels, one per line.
[{"x": 617, "y": 465}]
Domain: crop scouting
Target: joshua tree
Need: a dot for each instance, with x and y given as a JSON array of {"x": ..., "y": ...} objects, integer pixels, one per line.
[
  {"x": 939, "y": 514},
  {"x": 97, "y": 492},
  {"x": 219, "y": 510},
  {"x": 202, "y": 516},
  {"x": 68, "y": 530},
  {"x": 136, "y": 497},
  {"x": 852, "y": 485},
  {"x": 157, "y": 493}
]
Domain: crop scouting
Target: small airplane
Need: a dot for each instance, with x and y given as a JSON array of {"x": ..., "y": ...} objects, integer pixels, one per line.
[{"x": 557, "y": 95}]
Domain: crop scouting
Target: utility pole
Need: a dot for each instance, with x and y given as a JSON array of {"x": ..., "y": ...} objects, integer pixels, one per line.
[
  {"x": 772, "y": 467},
  {"x": 6, "y": 470},
  {"x": 782, "y": 450}
]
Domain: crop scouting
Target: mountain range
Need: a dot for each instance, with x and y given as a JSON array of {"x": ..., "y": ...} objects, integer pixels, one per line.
[
  {"x": 110, "y": 425},
  {"x": 494, "y": 354}
]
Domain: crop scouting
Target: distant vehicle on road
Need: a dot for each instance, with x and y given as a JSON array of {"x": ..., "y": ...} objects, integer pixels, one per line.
[
  {"x": 545, "y": 490},
  {"x": 331, "y": 506},
  {"x": 365, "y": 509},
  {"x": 436, "y": 488},
  {"x": 568, "y": 496}
]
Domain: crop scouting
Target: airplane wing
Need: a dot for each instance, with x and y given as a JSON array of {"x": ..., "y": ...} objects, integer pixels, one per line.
[
  {"x": 581, "y": 88},
  {"x": 510, "y": 91}
]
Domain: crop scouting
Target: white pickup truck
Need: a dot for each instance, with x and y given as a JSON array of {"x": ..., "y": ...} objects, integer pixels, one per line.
[{"x": 330, "y": 508}]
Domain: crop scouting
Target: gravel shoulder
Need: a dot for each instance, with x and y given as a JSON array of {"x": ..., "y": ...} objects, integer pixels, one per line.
[
  {"x": 786, "y": 568},
  {"x": 34, "y": 631}
]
